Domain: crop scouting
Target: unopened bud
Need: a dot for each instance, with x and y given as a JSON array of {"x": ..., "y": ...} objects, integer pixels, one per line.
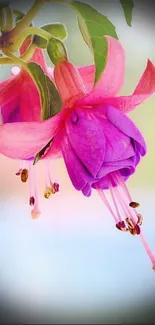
[{"x": 56, "y": 51}]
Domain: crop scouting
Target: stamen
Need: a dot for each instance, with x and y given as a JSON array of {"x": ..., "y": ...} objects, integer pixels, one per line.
[
  {"x": 119, "y": 179},
  {"x": 47, "y": 173},
  {"x": 20, "y": 167},
  {"x": 121, "y": 226},
  {"x": 55, "y": 187},
  {"x": 24, "y": 175},
  {"x": 134, "y": 205},
  {"x": 134, "y": 229},
  {"x": 51, "y": 188},
  {"x": 132, "y": 215},
  {"x": 123, "y": 199},
  {"x": 48, "y": 192},
  {"x": 48, "y": 181},
  {"x": 140, "y": 219},
  {"x": 104, "y": 199},
  {"x": 114, "y": 201},
  {"x": 35, "y": 213},
  {"x": 19, "y": 172},
  {"x": 31, "y": 199}
]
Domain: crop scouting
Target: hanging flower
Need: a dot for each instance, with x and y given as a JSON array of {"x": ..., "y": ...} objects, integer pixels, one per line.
[
  {"x": 101, "y": 146},
  {"x": 20, "y": 102}
]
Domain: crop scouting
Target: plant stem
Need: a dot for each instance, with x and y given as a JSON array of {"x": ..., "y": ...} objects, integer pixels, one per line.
[
  {"x": 26, "y": 33},
  {"x": 26, "y": 20},
  {"x": 6, "y": 60},
  {"x": 1, "y": 19},
  {"x": 29, "y": 52},
  {"x": 8, "y": 19},
  {"x": 14, "y": 58}
]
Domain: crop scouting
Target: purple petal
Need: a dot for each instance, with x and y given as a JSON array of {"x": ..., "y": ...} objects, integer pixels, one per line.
[
  {"x": 87, "y": 190},
  {"x": 76, "y": 170},
  {"x": 123, "y": 123},
  {"x": 127, "y": 164},
  {"x": 118, "y": 144},
  {"x": 87, "y": 139}
]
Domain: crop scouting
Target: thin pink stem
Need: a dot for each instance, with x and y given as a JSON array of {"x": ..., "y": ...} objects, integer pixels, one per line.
[
  {"x": 36, "y": 211},
  {"x": 104, "y": 199},
  {"x": 47, "y": 173},
  {"x": 114, "y": 201},
  {"x": 30, "y": 179},
  {"x": 148, "y": 250},
  {"x": 120, "y": 180}
]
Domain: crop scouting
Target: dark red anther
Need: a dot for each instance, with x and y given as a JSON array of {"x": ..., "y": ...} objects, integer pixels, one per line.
[
  {"x": 19, "y": 172},
  {"x": 121, "y": 226},
  {"x": 32, "y": 201},
  {"x": 140, "y": 219},
  {"x": 134, "y": 205},
  {"x": 56, "y": 187}
]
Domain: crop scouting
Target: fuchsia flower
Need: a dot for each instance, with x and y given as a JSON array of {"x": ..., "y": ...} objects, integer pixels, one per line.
[
  {"x": 19, "y": 92},
  {"x": 100, "y": 145}
]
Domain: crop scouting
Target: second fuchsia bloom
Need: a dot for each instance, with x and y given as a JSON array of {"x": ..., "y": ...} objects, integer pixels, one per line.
[{"x": 101, "y": 146}]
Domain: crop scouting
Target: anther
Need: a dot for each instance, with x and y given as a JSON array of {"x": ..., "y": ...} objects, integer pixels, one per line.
[
  {"x": 48, "y": 192},
  {"x": 134, "y": 229},
  {"x": 24, "y": 175},
  {"x": 55, "y": 187},
  {"x": 121, "y": 226},
  {"x": 134, "y": 205},
  {"x": 19, "y": 172},
  {"x": 130, "y": 223},
  {"x": 140, "y": 219},
  {"x": 31, "y": 201}
]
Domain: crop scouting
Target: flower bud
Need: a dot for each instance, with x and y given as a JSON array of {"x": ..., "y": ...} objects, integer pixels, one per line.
[{"x": 56, "y": 51}]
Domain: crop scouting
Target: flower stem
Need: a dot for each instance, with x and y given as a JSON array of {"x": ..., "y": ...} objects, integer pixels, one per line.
[
  {"x": 14, "y": 58},
  {"x": 8, "y": 19},
  {"x": 25, "y": 57},
  {"x": 29, "y": 52},
  {"x": 6, "y": 60},
  {"x": 26, "y": 33},
  {"x": 26, "y": 20},
  {"x": 1, "y": 19}
]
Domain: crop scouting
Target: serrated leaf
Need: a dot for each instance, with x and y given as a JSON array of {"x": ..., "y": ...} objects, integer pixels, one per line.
[
  {"x": 56, "y": 30},
  {"x": 94, "y": 26},
  {"x": 127, "y": 6},
  {"x": 50, "y": 99}
]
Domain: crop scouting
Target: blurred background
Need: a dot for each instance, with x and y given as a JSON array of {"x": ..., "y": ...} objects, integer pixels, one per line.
[{"x": 71, "y": 265}]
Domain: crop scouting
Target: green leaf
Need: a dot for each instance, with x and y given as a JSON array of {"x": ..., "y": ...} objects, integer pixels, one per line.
[
  {"x": 94, "y": 26},
  {"x": 127, "y": 6},
  {"x": 50, "y": 99},
  {"x": 56, "y": 30},
  {"x": 42, "y": 152}
]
